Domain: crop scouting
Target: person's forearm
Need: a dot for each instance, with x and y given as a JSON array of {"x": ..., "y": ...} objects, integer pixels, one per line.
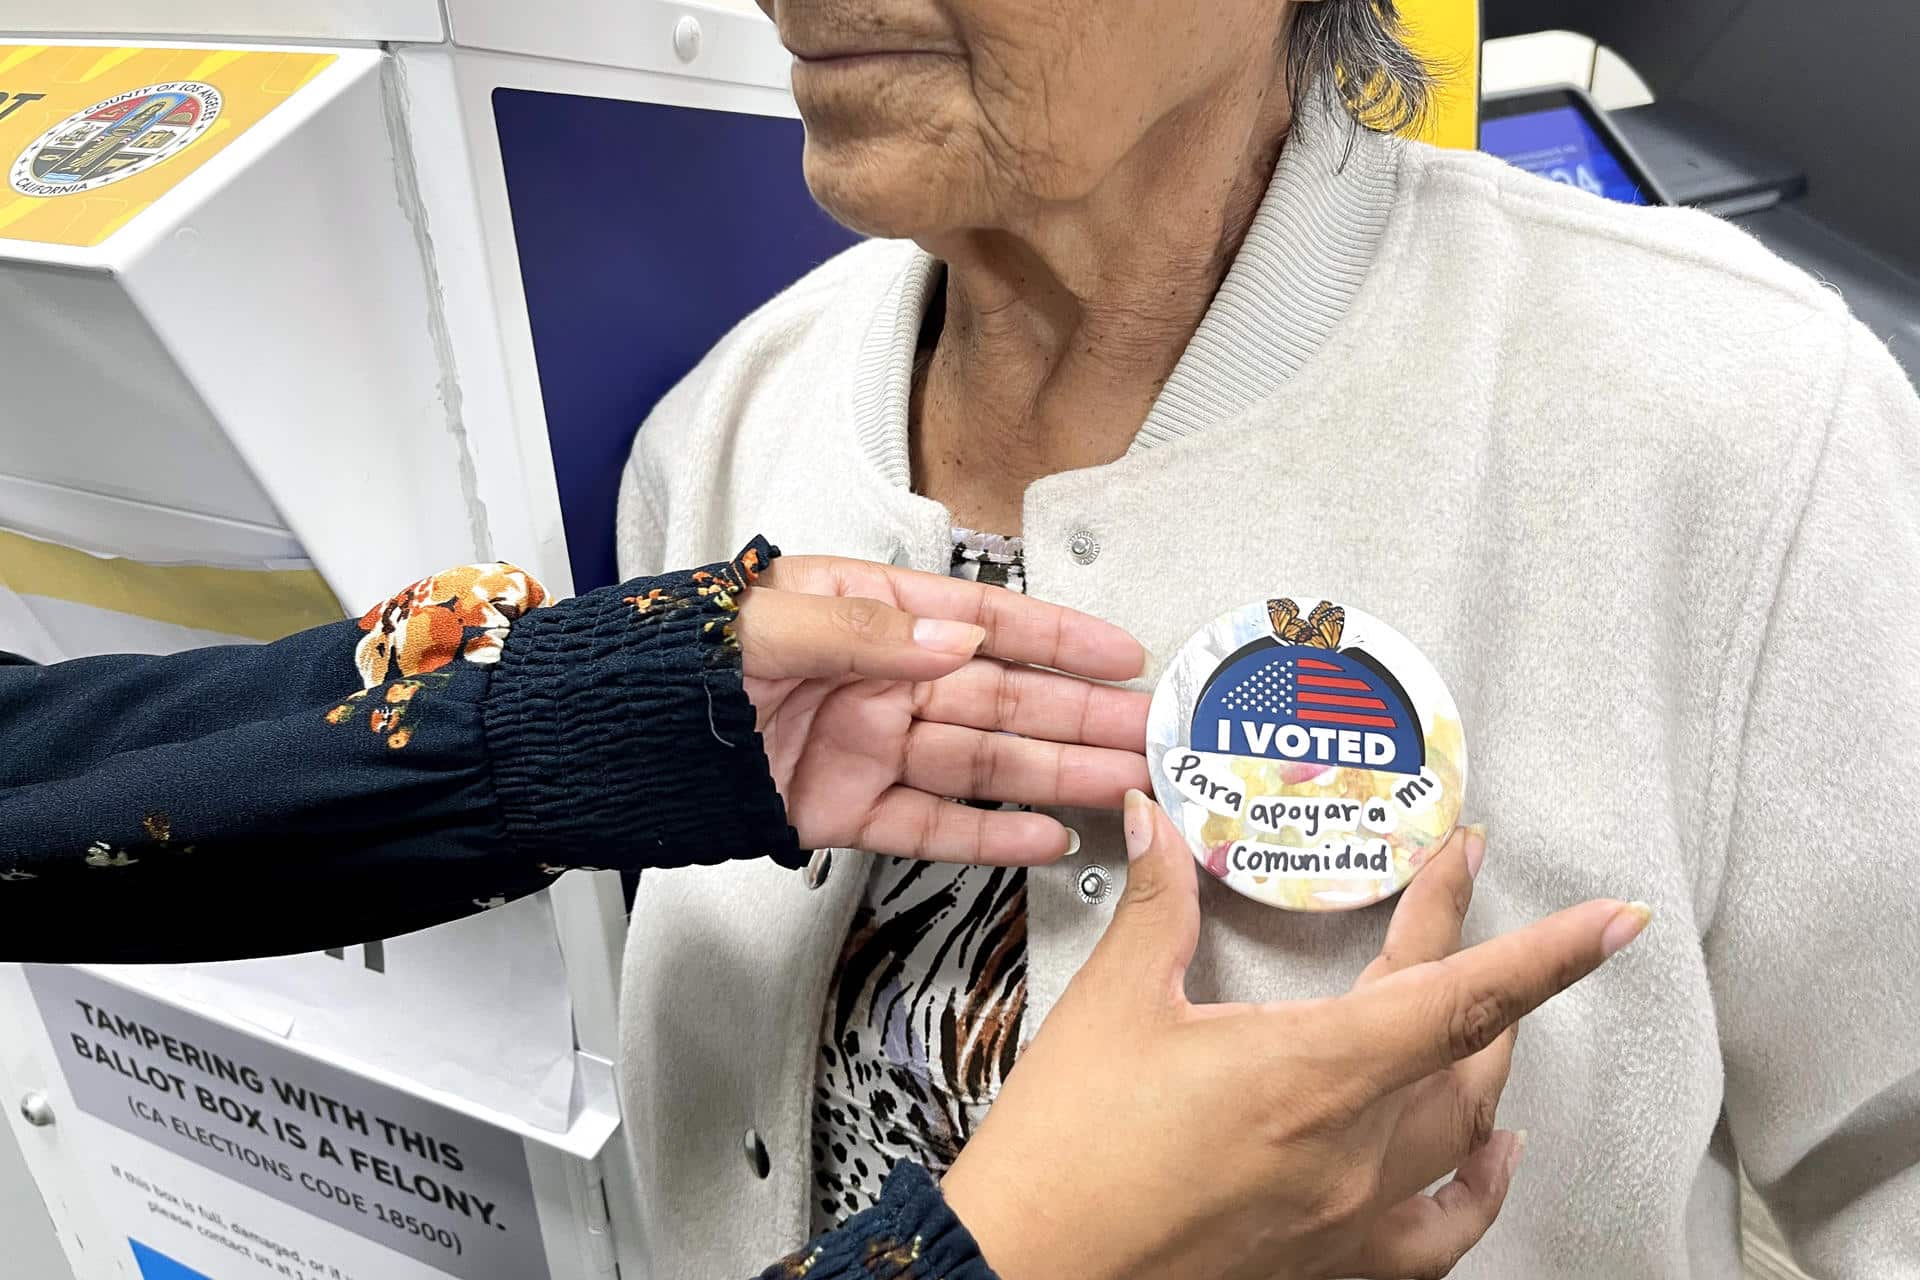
[
  {"x": 618, "y": 722},
  {"x": 455, "y": 747}
]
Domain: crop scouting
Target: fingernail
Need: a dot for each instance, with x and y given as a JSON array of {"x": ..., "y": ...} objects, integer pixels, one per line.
[
  {"x": 1073, "y": 843},
  {"x": 1520, "y": 1137},
  {"x": 1476, "y": 848},
  {"x": 944, "y": 635},
  {"x": 1624, "y": 928},
  {"x": 1138, "y": 821}
]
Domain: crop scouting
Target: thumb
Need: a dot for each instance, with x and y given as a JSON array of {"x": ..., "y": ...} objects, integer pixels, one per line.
[
  {"x": 1157, "y": 922},
  {"x": 788, "y": 635}
]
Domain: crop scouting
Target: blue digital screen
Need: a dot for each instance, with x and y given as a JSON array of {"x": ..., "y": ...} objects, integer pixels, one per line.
[{"x": 1561, "y": 145}]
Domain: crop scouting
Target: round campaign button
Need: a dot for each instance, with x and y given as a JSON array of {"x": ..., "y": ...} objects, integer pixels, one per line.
[{"x": 1312, "y": 757}]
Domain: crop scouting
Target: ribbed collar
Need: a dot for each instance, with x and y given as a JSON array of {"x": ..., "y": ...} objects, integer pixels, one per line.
[{"x": 1309, "y": 248}]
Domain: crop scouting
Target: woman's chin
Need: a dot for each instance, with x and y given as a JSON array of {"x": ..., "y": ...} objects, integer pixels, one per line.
[{"x": 896, "y": 190}]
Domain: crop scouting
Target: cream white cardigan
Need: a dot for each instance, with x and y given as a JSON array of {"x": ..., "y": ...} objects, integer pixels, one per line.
[{"x": 1647, "y": 497}]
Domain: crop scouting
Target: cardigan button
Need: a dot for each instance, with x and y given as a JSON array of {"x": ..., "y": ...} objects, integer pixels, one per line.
[
  {"x": 756, "y": 1151},
  {"x": 1093, "y": 884},
  {"x": 1084, "y": 547},
  {"x": 900, "y": 559},
  {"x": 818, "y": 866}
]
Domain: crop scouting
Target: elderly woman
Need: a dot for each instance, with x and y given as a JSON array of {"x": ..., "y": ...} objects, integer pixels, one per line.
[{"x": 1161, "y": 318}]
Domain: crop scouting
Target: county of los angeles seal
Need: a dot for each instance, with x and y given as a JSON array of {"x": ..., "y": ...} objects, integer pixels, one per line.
[{"x": 128, "y": 133}]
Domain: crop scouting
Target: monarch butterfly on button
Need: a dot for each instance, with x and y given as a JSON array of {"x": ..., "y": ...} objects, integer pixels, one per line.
[{"x": 1321, "y": 630}]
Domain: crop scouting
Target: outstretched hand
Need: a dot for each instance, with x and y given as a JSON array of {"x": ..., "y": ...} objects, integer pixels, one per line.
[
  {"x": 883, "y": 694},
  {"x": 1280, "y": 1141}
]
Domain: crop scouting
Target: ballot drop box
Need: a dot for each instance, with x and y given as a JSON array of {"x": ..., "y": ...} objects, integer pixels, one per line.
[{"x": 297, "y": 305}]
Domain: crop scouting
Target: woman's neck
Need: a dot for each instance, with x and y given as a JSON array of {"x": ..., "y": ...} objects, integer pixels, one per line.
[{"x": 1060, "y": 327}]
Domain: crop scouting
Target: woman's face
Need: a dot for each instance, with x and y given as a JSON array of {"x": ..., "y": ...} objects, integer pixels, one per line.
[{"x": 928, "y": 115}]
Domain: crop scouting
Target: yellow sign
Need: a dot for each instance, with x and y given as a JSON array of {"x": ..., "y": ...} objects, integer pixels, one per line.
[
  {"x": 1447, "y": 34},
  {"x": 92, "y": 135},
  {"x": 257, "y": 604}
]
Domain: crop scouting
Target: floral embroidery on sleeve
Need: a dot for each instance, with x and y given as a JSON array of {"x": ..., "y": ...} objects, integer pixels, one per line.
[
  {"x": 893, "y": 1256},
  {"x": 880, "y": 1256},
  {"x": 720, "y": 587},
  {"x": 159, "y": 831},
  {"x": 465, "y": 613},
  {"x": 102, "y": 854},
  {"x": 426, "y": 626},
  {"x": 462, "y": 613},
  {"x": 388, "y": 716}
]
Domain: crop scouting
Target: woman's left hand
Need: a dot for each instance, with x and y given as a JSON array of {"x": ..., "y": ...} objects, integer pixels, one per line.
[{"x": 882, "y": 694}]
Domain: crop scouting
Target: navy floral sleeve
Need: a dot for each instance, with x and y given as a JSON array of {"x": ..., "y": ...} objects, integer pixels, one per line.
[
  {"x": 910, "y": 1234},
  {"x": 459, "y": 745}
]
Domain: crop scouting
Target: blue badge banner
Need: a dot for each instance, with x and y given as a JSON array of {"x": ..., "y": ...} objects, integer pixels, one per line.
[{"x": 1290, "y": 702}]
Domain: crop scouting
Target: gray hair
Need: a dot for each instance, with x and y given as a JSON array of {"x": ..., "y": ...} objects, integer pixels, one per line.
[{"x": 1359, "y": 48}]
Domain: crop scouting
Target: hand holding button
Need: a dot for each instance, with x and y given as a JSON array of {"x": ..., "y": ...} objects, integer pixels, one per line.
[
  {"x": 882, "y": 693},
  {"x": 1146, "y": 1137}
]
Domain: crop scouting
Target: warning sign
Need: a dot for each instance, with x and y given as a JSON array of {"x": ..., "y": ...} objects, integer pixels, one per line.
[{"x": 196, "y": 1117}]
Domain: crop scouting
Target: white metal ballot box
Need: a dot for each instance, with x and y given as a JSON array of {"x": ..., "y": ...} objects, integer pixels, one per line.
[{"x": 299, "y": 304}]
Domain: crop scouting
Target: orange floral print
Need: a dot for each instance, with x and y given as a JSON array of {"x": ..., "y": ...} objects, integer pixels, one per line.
[
  {"x": 340, "y": 713},
  {"x": 465, "y": 613},
  {"x": 884, "y": 1254},
  {"x": 426, "y": 626},
  {"x": 159, "y": 829},
  {"x": 721, "y": 589},
  {"x": 881, "y": 1255},
  {"x": 385, "y": 717}
]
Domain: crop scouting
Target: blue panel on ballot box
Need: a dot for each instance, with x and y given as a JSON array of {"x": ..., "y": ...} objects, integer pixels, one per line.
[
  {"x": 158, "y": 1266},
  {"x": 645, "y": 233}
]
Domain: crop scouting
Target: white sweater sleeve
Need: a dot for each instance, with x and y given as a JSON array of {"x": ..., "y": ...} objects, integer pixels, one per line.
[{"x": 1814, "y": 951}]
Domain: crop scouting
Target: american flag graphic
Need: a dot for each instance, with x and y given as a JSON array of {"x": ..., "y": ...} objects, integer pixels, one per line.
[
  {"x": 1309, "y": 704},
  {"x": 1311, "y": 691}
]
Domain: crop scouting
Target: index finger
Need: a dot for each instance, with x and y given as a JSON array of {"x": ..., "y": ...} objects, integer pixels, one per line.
[
  {"x": 1421, "y": 1020},
  {"x": 1019, "y": 627}
]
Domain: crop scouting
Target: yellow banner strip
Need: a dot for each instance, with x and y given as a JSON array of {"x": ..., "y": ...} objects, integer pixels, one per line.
[{"x": 259, "y": 604}]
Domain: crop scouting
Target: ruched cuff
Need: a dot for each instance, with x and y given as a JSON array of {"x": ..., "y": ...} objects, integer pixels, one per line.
[
  {"x": 910, "y": 1235},
  {"x": 620, "y": 733}
]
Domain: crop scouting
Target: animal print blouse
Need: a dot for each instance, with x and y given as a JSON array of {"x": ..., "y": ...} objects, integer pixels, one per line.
[{"x": 924, "y": 1015}]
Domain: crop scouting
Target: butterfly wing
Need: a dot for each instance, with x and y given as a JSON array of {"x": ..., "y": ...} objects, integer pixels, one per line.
[
  {"x": 1325, "y": 624},
  {"x": 1284, "y": 614}
]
